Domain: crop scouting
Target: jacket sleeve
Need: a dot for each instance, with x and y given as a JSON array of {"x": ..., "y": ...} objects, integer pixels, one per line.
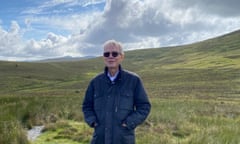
[
  {"x": 87, "y": 106},
  {"x": 142, "y": 107}
]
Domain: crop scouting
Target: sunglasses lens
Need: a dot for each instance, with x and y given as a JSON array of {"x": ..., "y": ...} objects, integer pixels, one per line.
[
  {"x": 106, "y": 54},
  {"x": 114, "y": 54}
]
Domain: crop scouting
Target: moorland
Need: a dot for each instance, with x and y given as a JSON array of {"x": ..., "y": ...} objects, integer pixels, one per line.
[{"x": 194, "y": 90}]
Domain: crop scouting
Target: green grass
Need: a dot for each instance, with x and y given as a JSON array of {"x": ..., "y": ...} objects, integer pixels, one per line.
[
  {"x": 194, "y": 91},
  {"x": 191, "y": 121},
  {"x": 67, "y": 132}
]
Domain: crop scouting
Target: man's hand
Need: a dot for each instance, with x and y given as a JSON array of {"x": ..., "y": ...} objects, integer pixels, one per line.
[
  {"x": 94, "y": 124},
  {"x": 124, "y": 125}
]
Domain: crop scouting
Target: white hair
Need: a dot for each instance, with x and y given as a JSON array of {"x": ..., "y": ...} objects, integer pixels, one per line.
[{"x": 115, "y": 44}]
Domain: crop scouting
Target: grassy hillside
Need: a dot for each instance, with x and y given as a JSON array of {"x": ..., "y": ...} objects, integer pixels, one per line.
[
  {"x": 194, "y": 90},
  {"x": 220, "y": 52}
]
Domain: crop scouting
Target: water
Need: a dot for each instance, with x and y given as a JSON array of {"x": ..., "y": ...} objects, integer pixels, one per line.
[{"x": 33, "y": 133}]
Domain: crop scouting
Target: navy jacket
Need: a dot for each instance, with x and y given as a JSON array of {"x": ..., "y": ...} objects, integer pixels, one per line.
[{"x": 110, "y": 104}]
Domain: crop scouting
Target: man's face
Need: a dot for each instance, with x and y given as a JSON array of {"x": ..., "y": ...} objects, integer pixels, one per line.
[{"x": 112, "y": 57}]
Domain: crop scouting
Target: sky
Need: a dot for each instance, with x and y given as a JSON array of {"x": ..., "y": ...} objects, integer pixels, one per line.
[{"x": 34, "y": 30}]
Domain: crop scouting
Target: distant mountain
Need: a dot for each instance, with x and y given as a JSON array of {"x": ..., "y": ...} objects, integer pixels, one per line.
[{"x": 66, "y": 58}]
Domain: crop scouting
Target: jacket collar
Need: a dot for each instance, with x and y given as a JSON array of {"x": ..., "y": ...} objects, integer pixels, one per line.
[{"x": 118, "y": 76}]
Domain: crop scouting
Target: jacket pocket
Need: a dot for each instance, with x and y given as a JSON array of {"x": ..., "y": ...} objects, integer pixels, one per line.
[
  {"x": 98, "y": 102},
  {"x": 127, "y": 136},
  {"x": 99, "y": 108},
  {"x": 125, "y": 106},
  {"x": 98, "y": 135},
  {"x": 126, "y": 101},
  {"x": 128, "y": 139}
]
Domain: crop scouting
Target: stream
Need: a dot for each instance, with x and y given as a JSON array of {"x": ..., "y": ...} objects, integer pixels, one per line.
[{"x": 33, "y": 133}]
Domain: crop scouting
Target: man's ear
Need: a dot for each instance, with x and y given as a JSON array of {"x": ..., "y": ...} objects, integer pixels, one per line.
[{"x": 122, "y": 57}]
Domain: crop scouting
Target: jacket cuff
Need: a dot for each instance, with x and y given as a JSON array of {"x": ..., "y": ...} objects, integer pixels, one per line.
[
  {"x": 93, "y": 124},
  {"x": 131, "y": 125},
  {"x": 91, "y": 121}
]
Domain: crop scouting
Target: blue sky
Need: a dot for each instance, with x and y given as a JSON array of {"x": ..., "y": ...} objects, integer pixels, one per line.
[
  {"x": 27, "y": 12},
  {"x": 32, "y": 30}
]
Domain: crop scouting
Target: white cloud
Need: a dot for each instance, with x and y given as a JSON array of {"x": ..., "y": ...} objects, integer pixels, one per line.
[
  {"x": 52, "y": 6},
  {"x": 136, "y": 23},
  {"x": 10, "y": 41},
  {"x": 52, "y": 45}
]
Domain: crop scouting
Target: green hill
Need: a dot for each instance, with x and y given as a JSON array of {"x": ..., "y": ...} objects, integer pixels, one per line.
[
  {"x": 194, "y": 90},
  {"x": 206, "y": 68},
  {"x": 220, "y": 52}
]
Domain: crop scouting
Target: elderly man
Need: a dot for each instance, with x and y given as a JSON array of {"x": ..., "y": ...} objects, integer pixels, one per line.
[{"x": 115, "y": 102}]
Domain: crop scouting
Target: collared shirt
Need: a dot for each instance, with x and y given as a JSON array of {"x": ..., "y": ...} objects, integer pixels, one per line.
[{"x": 112, "y": 78}]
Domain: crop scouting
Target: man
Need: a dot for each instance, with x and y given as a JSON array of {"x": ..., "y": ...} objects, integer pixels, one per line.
[{"x": 115, "y": 102}]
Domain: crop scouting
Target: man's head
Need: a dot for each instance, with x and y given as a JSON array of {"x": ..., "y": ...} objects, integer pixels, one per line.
[{"x": 113, "y": 53}]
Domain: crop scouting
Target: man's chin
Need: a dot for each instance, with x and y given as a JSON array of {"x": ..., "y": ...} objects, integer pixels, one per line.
[{"x": 112, "y": 66}]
